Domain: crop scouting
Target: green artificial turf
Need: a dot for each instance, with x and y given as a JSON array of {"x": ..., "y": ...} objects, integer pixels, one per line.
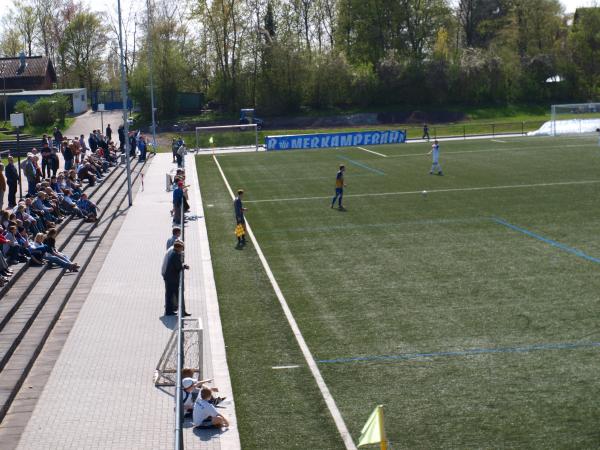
[{"x": 474, "y": 307}]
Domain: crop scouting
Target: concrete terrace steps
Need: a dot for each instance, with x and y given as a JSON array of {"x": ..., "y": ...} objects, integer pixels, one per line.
[{"x": 36, "y": 309}]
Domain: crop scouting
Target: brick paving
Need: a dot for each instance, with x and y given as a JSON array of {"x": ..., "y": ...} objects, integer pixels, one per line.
[{"x": 100, "y": 393}]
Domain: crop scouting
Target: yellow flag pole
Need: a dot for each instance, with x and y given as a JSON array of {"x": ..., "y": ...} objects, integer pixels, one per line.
[{"x": 383, "y": 442}]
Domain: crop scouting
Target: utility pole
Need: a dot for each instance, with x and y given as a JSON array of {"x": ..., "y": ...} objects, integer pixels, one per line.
[
  {"x": 4, "y": 90},
  {"x": 124, "y": 96},
  {"x": 150, "y": 66}
]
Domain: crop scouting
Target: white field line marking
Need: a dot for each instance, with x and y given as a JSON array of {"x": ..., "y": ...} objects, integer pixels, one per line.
[
  {"x": 371, "y": 151},
  {"x": 498, "y": 140},
  {"x": 310, "y": 360},
  {"x": 480, "y": 188},
  {"x": 494, "y": 150},
  {"x": 285, "y": 367}
]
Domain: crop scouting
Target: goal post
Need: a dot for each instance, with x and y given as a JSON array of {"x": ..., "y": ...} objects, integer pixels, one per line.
[
  {"x": 227, "y": 137},
  {"x": 574, "y": 118}
]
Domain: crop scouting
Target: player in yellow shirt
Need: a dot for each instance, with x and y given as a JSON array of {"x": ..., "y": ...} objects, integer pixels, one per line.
[{"x": 339, "y": 187}]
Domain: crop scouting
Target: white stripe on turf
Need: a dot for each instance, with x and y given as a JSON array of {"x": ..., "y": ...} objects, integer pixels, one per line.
[
  {"x": 310, "y": 360},
  {"x": 433, "y": 191},
  {"x": 503, "y": 149},
  {"x": 371, "y": 151}
]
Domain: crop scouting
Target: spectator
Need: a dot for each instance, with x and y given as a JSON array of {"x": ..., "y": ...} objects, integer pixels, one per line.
[
  {"x": 121, "y": 132},
  {"x": 108, "y": 133},
  {"x": 82, "y": 144},
  {"x": 46, "y": 151},
  {"x": 176, "y": 235},
  {"x": 142, "y": 146},
  {"x": 55, "y": 162},
  {"x": 132, "y": 144},
  {"x": 171, "y": 270},
  {"x": 58, "y": 137},
  {"x": 42, "y": 252},
  {"x": 2, "y": 186},
  {"x": 205, "y": 414},
  {"x": 87, "y": 208},
  {"x": 178, "y": 194},
  {"x": 189, "y": 373},
  {"x": 68, "y": 155},
  {"x": 30, "y": 173},
  {"x": 87, "y": 173},
  {"x": 12, "y": 179}
]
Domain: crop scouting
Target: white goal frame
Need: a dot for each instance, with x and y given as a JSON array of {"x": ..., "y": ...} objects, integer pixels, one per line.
[
  {"x": 240, "y": 127},
  {"x": 572, "y": 109}
]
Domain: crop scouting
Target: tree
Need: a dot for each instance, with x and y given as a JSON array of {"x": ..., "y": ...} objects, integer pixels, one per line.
[
  {"x": 481, "y": 20},
  {"x": 584, "y": 42},
  {"x": 10, "y": 43},
  {"x": 83, "y": 46},
  {"x": 24, "y": 18}
]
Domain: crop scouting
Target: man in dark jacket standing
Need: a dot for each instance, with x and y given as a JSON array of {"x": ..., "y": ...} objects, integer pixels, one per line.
[
  {"x": 108, "y": 133},
  {"x": 12, "y": 180},
  {"x": 171, "y": 270},
  {"x": 121, "y": 132}
]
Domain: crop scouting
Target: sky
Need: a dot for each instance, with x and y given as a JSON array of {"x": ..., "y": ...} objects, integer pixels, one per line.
[{"x": 100, "y": 5}]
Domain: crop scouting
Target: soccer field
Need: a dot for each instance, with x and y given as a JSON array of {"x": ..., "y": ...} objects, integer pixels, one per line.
[{"x": 471, "y": 313}]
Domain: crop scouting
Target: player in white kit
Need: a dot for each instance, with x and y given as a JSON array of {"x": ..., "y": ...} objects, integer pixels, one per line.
[{"x": 435, "y": 157}]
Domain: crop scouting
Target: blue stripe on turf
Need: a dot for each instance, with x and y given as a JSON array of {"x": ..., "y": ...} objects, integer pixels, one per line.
[
  {"x": 468, "y": 352},
  {"x": 564, "y": 247},
  {"x": 364, "y": 166}
]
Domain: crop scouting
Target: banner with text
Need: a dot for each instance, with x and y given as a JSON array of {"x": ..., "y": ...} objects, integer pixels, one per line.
[{"x": 330, "y": 140}]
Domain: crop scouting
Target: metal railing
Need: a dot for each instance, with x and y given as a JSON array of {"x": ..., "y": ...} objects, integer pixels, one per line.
[
  {"x": 466, "y": 130},
  {"x": 180, "y": 355}
]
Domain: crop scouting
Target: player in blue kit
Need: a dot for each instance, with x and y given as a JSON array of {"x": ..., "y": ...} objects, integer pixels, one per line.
[{"x": 339, "y": 187}]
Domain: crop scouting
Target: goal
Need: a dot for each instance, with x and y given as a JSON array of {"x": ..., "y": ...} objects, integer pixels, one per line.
[
  {"x": 227, "y": 137},
  {"x": 166, "y": 369},
  {"x": 576, "y": 118}
]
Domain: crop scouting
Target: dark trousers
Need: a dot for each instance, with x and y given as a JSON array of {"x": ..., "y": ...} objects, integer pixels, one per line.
[
  {"x": 12, "y": 195},
  {"x": 31, "y": 190},
  {"x": 171, "y": 297},
  {"x": 46, "y": 166}
]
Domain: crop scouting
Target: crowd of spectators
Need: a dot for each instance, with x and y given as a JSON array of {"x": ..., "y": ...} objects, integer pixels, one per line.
[{"x": 28, "y": 227}]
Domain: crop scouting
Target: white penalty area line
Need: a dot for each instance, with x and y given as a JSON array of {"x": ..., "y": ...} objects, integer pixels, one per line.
[
  {"x": 310, "y": 360},
  {"x": 498, "y": 140},
  {"x": 383, "y": 194},
  {"x": 371, "y": 151}
]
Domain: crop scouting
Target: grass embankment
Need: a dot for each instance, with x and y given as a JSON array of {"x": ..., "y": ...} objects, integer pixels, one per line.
[
  {"x": 472, "y": 333},
  {"x": 37, "y": 130}
]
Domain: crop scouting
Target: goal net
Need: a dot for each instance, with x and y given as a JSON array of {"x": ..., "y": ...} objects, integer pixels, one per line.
[
  {"x": 166, "y": 369},
  {"x": 227, "y": 137},
  {"x": 576, "y": 118}
]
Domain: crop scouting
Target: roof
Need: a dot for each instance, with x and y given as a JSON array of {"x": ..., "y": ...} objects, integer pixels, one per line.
[
  {"x": 44, "y": 92},
  {"x": 35, "y": 67}
]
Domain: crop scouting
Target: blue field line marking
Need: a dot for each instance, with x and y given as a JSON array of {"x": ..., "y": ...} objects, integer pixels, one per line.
[
  {"x": 553, "y": 243},
  {"x": 364, "y": 166},
  {"x": 468, "y": 352}
]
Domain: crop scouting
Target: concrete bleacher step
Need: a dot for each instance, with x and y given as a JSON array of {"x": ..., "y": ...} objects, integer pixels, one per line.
[
  {"x": 95, "y": 193},
  {"x": 23, "y": 336}
]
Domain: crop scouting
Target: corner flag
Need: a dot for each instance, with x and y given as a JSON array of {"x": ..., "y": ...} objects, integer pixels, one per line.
[{"x": 373, "y": 431}]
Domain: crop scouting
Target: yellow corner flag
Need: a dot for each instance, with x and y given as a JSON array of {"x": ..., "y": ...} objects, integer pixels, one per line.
[
  {"x": 373, "y": 431},
  {"x": 211, "y": 141}
]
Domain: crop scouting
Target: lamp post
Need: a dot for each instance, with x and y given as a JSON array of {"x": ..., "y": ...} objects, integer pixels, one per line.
[
  {"x": 150, "y": 66},
  {"x": 4, "y": 90},
  {"x": 124, "y": 96}
]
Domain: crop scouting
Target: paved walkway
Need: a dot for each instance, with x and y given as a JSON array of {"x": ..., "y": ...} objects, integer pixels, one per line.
[{"x": 100, "y": 394}]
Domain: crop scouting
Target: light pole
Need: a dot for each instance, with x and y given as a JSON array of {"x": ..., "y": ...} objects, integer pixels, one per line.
[
  {"x": 150, "y": 66},
  {"x": 124, "y": 96},
  {"x": 4, "y": 90}
]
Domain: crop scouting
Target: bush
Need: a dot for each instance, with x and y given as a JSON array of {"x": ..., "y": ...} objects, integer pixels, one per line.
[{"x": 46, "y": 110}]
